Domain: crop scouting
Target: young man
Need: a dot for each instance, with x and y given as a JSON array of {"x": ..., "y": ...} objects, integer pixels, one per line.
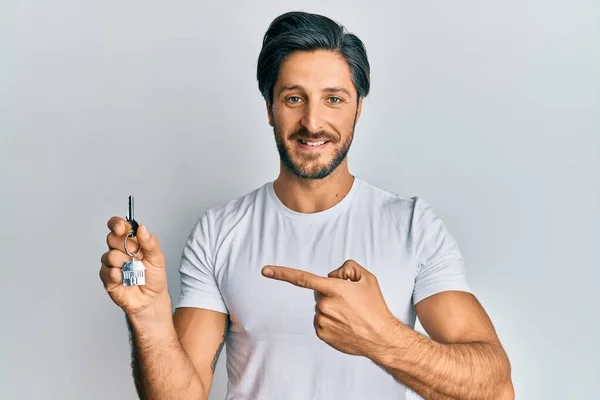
[{"x": 313, "y": 280}]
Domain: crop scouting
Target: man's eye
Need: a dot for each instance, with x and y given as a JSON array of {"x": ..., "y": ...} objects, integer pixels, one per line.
[
  {"x": 335, "y": 100},
  {"x": 293, "y": 99}
]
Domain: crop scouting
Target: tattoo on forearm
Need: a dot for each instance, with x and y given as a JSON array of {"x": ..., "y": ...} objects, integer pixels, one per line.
[{"x": 213, "y": 365}]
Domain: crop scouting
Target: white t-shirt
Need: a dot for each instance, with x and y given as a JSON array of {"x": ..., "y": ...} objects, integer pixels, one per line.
[{"x": 272, "y": 350}]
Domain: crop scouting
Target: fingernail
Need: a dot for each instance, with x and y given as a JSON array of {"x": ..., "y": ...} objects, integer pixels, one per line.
[{"x": 267, "y": 272}]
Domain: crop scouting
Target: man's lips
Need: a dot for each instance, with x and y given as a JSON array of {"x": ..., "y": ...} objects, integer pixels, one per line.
[{"x": 311, "y": 144}]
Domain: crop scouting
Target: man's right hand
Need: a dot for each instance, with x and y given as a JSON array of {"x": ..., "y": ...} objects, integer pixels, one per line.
[{"x": 132, "y": 299}]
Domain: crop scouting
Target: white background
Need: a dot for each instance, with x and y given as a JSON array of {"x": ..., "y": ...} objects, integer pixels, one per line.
[{"x": 490, "y": 110}]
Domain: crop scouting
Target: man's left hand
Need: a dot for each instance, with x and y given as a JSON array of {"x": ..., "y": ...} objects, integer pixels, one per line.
[{"x": 350, "y": 313}]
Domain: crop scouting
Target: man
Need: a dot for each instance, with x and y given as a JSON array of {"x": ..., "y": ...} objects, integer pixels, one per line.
[{"x": 314, "y": 280}]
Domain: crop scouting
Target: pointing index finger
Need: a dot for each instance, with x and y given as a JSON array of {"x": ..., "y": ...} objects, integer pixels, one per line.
[{"x": 300, "y": 278}]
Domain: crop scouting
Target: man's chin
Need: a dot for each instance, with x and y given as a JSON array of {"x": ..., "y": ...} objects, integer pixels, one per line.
[
  {"x": 313, "y": 173},
  {"x": 305, "y": 165}
]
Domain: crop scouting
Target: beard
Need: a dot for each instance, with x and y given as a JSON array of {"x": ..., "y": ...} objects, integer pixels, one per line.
[
  {"x": 307, "y": 167},
  {"x": 313, "y": 170}
]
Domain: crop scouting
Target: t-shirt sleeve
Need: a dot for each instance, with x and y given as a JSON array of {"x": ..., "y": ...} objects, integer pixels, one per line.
[
  {"x": 440, "y": 264},
  {"x": 199, "y": 287}
]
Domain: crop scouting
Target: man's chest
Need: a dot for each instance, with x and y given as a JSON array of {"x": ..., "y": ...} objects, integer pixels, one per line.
[{"x": 262, "y": 307}]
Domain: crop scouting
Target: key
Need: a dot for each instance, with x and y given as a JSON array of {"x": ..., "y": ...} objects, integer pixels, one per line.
[
  {"x": 130, "y": 218},
  {"x": 134, "y": 271}
]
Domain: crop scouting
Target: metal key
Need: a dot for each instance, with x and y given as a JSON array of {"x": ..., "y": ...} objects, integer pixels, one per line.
[
  {"x": 130, "y": 218},
  {"x": 134, "y": 271}
]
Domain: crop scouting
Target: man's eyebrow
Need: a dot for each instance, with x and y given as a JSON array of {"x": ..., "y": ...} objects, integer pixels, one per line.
[
  {"x": 325, "y": 90},
  {"x": 337, "y": 90}
]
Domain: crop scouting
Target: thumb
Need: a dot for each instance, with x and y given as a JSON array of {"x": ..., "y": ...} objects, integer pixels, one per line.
[
  {"x": 348, "y": 271},
  {"x": 150, "y": 247}
]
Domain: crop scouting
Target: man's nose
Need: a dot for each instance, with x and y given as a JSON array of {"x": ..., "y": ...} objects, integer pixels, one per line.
[{"x": 312, "y": 120}]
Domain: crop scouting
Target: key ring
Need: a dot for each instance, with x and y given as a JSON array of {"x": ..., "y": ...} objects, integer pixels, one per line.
[
  {"x": 133, "y": 271},
  {"x": 131, "y": 234}
]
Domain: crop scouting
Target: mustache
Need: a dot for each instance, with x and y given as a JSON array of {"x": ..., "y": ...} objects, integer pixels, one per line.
[{"x": 317, "y": 136}]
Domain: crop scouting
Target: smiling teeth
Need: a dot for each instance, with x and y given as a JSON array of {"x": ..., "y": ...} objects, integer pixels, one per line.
[{"x": 313, "y": 143}]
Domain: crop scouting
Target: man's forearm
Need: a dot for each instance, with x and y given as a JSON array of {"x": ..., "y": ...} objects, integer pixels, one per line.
[
  {"x": 439, "y": 371},
  {"x": 161, "y": 368}
]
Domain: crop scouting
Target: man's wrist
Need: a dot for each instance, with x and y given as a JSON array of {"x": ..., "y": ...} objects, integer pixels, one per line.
[
  {"x": 393, "y": 340},
  {"x": 156, "y": 316}
]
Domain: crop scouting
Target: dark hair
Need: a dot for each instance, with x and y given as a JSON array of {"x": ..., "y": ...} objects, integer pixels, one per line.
[{"x": 298, "y": 30}]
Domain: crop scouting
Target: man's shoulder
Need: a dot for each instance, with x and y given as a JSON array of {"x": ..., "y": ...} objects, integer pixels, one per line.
[
  {"x": 403, "y": 209},
  {"x": 379, "y": 196},
  {"x": 220, "y": 213}
]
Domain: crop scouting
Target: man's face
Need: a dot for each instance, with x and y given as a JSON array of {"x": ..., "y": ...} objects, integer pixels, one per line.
[{"x": 314, "y": 112}]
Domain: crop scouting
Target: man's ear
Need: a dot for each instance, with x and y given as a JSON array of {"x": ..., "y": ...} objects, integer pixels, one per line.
[{"x": 269, "y": 113}]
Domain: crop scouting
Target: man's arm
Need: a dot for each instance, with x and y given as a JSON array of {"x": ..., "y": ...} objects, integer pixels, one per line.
[
  {"x": 202, "y": 335},
  {"x": 173, "y": 356},
  {"x": 463, "y": 359}
]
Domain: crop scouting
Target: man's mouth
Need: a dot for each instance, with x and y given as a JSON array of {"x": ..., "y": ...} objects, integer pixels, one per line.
[{"x": 313, "y": 143}]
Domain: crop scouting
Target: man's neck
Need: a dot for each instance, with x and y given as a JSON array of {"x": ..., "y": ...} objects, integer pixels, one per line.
[{"x": 312, "y": 195}]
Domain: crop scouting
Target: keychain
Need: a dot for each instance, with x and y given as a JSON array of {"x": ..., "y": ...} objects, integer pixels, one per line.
[{"x": 134, "y": 271}]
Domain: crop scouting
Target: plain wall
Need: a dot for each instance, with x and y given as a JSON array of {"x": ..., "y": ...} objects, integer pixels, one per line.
[{"x": 490, "y": 110}]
